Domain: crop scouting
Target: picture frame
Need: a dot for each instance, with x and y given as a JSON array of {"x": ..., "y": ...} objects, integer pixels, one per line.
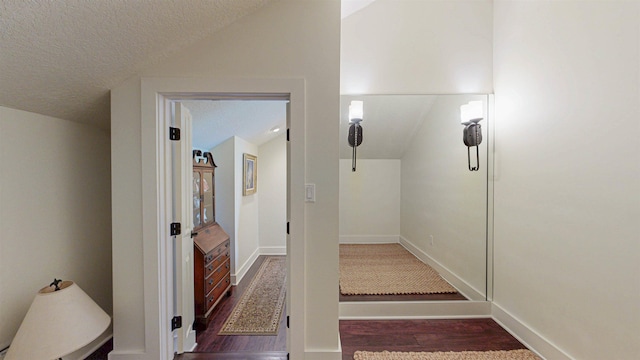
[{"x": 250, "y": 174}]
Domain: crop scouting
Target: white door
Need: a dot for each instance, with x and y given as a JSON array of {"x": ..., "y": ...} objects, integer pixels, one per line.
[{"x": 185, "y": 336}]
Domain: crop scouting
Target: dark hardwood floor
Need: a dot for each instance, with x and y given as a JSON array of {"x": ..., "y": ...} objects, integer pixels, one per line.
[
  {"x": 209, "y": 341},
  {"x": 369, "y": 335},
  {"x": 424, "y": 335}
]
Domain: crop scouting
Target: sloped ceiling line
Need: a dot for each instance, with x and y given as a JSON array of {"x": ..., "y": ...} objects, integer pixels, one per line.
[{"x": 61, "y": 58}]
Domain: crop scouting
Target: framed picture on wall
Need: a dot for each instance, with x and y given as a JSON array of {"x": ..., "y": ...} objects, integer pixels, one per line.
[{"x": 250, "y": 178}]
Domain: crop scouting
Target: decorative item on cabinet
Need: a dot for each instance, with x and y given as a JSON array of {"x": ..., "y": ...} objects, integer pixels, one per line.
[
  {"x": 211, "y": 244},
  {"x": 204, "y": 194}
]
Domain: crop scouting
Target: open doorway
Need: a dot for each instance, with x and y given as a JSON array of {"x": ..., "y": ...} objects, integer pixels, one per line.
[
  {"x": 223, "y": 130},
  {"x": 156, "y": 95},
  {"x": 239, "y": 153}
]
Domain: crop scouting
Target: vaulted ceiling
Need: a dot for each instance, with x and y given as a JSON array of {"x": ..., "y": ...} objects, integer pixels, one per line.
[{"x": 60, "y": 58}]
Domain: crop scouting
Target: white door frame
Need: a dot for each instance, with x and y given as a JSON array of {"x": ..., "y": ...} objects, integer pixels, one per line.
[{"x": 156, "y": 198}]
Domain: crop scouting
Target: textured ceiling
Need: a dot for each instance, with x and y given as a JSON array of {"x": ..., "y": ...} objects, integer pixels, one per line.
[
  {"x": 216, "y": 121},
  {"x": 60, "y": 58}
]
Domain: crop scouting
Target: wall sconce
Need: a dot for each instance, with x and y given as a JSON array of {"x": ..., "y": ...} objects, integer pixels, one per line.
[
  {"x": 470, "y": 116},
  {"x": 356, "y": 113},
  {"x": 61, "y": 320}
]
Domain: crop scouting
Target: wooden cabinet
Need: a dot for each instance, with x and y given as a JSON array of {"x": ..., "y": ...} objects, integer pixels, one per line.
[
  {"x": 212, "y": 249},
  {"x": 212, "y": 276}
]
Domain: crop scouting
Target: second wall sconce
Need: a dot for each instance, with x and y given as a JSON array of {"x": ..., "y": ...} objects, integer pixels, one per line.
[
  {"x": 470, "y": 116},
  {"x": 356, "y": 113}
]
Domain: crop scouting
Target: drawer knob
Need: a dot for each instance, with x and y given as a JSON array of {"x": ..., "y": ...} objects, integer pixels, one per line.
[{"x": 210, "y": 281}]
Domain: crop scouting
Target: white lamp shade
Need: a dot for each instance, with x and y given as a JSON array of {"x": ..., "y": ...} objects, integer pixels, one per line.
[
  {"x": 471, "y": 112},
  {"x": 356, "y": 110},
  {"x": 57, "y": 324}
]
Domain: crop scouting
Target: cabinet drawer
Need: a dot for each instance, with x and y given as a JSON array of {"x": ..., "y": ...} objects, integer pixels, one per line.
[
  {"x": 221, "y": 249},
  {"x": 215, "y": 293},
  {"x": 212, "y": 266},
  {"x": 221, "y": 259},
  {"x": 220, "y": 271},
  {"x": 216, "y": 276},
  {"x": 209, "y": 283}
]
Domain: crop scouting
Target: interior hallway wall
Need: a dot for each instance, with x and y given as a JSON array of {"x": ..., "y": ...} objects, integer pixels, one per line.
[
  {"x": 55, "y": 211},
  {"x": 272, "y": 191},
  {"x": 225, "y": 182},
  {"x": 286, "y": 39},
  {"x": 246, "y": 210},
  {"x": 567, "y": 190},
  {"x": 370, "y": 200}
]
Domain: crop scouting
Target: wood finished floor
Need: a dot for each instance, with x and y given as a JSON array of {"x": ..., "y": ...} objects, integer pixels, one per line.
[
  {"x": 424, "y": 335},
  {"x": 209, "y": 341},
  {"x": 391, "y": 335}
]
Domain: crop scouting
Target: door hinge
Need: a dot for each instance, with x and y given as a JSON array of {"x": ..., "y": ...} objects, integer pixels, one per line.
[
  {"x": 287, "y": 228},
  {"x": 174, "y": 133},
  {"x": 287, "y": 134},
  {"x": 175, "y": 229},
  {"x": 287, "y": 321},
  {"x": 176, "y": 322}
]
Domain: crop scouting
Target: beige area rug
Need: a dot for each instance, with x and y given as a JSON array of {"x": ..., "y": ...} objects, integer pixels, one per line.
[
  {"x": 521, "y": 354},
  {"x": 260, "y": 308},
  {"x": 386, "y": 269}
]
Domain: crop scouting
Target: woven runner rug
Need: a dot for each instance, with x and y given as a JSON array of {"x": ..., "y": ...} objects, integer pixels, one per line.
[
  {"x": 521, "y": 354},
  {"x": 386, "y": 269},
  {"x": 260, "y": 308}
]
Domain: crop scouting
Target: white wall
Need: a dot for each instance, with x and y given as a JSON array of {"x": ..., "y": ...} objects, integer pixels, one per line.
[
  {"x": 246, "y": 210},
  {"x": 442, "y": 198},
  {"x": 567, "y": 192},
  {"x": 271, "y": 43},
  {"x": 418, "y": 47},
  {"x": 55, "y": 218},
  {"x": 272, "y": 190},
  {"x": 224, "y": 157},
  {"x": 370, "y": 201},
  {"x": 255, "y": 223}
]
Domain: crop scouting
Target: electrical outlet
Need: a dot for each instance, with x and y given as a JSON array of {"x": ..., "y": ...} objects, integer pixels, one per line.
[{"x": 431, "y": 240}]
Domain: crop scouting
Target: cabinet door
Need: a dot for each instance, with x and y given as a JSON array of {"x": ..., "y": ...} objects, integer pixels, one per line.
[{"x": 208, "y": 215}]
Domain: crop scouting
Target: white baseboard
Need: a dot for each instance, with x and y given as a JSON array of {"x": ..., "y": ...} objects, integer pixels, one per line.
[
  {"x": 387, "y": 310},
  {"x": 529, "y": 337},
  {"x": 273, "y": 250},
  {"x": 463, "y": 287},
  {"x": 193, "y": 348},
  {"x": 264, "y": 250},
  {"x": 369, "y": 239},
  {"x": 241, "y": 271},
  {"x": 323, "y": 354}
]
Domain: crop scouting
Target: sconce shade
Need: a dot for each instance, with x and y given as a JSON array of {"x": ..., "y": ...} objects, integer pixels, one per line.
[
  {"x": 356, "y": 110},
  {"x": 471, "y": 112},
  {"x": 57, "y": 324}
]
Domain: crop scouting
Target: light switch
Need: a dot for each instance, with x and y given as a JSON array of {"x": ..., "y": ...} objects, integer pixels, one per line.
[{"x": 310, "y": 192}]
